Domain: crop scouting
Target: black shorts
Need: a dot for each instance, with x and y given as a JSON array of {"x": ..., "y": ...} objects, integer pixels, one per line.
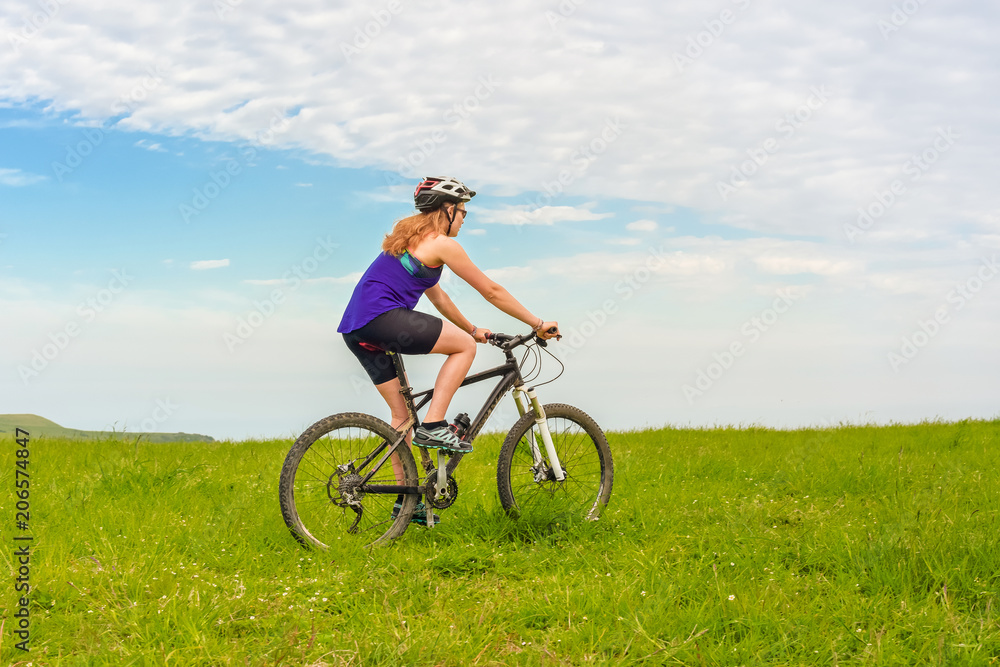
[{"x": 400, "y": 330}]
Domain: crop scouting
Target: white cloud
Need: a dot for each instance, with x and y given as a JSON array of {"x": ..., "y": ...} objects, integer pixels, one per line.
[
  {"x": 349, "y": 279},
  {"x": 16, "y": 178},
  {"x": 788, "y": 264},
  {"x": 643, "y": 225},
  {"x": 204, "y": 264},
  {"x": 545, "y": 215},
  {"x": 281, "y": 69},
  {"x": 154, "y": 146}
]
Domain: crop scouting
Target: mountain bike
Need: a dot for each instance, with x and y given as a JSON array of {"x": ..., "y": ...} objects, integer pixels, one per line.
[{"x": 353, "y": 476}]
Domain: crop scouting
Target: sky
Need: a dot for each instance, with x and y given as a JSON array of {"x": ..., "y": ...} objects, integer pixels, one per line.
[{"x": 740, "y": 212}]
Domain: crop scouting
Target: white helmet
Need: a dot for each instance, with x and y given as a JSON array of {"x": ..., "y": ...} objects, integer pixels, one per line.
[{"x": 434, "y": 191}]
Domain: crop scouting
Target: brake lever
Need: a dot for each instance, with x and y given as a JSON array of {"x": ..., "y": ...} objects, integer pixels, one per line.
[{"x": 541, "y": 341}]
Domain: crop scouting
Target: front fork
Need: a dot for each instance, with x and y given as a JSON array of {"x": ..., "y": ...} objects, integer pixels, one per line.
[{"x": 527, "y": 399}]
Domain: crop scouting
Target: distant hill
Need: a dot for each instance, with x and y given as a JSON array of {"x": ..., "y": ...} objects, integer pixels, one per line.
[{"x": 40, "y": 426}]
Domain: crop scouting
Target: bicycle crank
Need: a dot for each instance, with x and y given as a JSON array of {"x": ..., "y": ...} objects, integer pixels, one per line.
[{"x": 440, "y": 498}]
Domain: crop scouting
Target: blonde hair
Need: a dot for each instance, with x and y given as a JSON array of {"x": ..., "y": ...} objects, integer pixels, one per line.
[{"x": 414, "y": 228}]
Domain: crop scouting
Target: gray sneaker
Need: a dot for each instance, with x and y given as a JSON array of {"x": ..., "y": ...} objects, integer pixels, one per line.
[{"x": 441, "y": 437}]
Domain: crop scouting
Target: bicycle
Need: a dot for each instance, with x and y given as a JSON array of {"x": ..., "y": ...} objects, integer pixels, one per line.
[{"x": 338, "y": 478}]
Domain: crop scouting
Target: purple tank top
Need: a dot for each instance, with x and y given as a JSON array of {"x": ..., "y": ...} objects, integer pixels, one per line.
[{"x": 390, "y": 282}]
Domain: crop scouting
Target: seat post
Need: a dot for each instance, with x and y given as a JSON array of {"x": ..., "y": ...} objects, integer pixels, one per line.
[
  {"x": 397, "y": 362},
  {"x": 404, "y": 388}
]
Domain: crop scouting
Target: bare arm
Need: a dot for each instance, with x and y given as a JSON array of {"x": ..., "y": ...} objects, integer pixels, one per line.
[
  {"x": 450, "y": 253},
  {"x": 447, "y": 307}
]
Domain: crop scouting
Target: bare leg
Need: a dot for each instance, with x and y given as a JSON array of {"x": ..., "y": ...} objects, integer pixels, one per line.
[
  {"x": 461, "y": 350},
  {"x": 390, "y": 392}
]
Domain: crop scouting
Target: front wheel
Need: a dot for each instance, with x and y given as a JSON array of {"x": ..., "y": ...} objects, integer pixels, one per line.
[
  {"x": 525, "y": 479},
  {"x": 322, "y": 499}
]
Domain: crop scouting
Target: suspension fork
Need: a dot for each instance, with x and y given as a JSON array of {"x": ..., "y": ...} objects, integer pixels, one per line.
[{"x": 526, "y": 399}]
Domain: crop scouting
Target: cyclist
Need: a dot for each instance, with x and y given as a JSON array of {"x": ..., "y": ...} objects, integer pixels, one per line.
[{"x": 380, "y": 315}]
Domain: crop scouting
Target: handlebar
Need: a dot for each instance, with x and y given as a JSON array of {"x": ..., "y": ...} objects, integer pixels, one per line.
[{"x": 508, "y": 342}]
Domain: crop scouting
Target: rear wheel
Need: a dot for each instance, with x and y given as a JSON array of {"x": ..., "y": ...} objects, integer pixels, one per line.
[
  {"x": 528, "y": 488},
  {"x": 321, "y": 497}
]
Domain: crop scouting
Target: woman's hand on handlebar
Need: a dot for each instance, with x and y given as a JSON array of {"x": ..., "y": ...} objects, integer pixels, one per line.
[
  {"x": 482, "y": 335},
  {"x": 549, "y": 330}
]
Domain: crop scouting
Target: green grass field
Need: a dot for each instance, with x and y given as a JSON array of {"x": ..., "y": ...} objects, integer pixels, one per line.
[{"x": 854, "y": 545}]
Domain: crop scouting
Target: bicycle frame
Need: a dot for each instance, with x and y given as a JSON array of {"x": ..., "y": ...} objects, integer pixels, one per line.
[{"x": 510, "y": 378}]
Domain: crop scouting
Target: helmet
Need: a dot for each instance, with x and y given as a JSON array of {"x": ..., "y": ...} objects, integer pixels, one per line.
[{"x": 435, "y": 191}]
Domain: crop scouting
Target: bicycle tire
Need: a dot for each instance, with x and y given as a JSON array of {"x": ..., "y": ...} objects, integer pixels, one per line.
[
  {"x": 584, "y": 455},
  {"x": 313, "y": 494}
]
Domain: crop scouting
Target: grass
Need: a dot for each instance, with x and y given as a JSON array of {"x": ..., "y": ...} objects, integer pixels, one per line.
[{"x": 854, "y": 545}]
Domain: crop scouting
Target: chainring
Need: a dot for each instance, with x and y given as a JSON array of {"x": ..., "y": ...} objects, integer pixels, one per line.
[{"x": 450, "y": 493}]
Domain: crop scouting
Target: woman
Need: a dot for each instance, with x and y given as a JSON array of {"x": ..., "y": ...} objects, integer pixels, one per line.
[{"x": 380, "y": 315}]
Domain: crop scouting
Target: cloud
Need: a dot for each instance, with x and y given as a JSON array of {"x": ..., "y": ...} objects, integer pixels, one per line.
[
  {"x": 788, "y": 265},
  {"x": 151, "y": 145},
  {"x": 205, "y": 264},
  {"x": 546, "y": 215},
  {"x": 16, "y": 178},
  {"x": 801, "y": 147},
  {"x": 642, "y": 226},
  {"x": 349, "y": 279}
]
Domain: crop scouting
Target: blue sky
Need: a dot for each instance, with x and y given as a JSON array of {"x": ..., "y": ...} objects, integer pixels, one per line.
[{"x": 738, "y": 213}]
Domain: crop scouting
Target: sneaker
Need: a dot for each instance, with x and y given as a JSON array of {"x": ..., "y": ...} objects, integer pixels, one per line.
[
  {"x": 419, "y": 515},
  {"x": 441, "y": 437}
]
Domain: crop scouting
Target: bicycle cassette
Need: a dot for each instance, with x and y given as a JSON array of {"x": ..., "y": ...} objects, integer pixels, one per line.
[{"x": 450, "y": 492}]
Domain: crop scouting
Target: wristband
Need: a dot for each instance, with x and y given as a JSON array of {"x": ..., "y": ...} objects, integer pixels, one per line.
[
  {"x": 474, "y": 330},
  {"x": 538, "y": 326}
]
